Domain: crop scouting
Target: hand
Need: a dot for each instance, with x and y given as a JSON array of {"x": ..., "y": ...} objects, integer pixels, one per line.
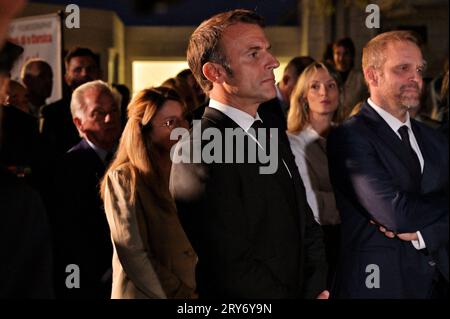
[
  {"x": 408, "y": 236},
  {"x": 386, "y": 232},
  {"x": 403, "y": 236},
  {"x": 324, "y": 295},
  {"x": 382, "y": 229}
]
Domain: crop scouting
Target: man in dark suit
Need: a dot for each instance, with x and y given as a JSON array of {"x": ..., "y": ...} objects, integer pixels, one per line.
[
  {"x": 253, "y": 232},
  {"x": 58, "y": 130},
  {"x": 390, "y": 175},
  {"x": 82, "y": 234}
]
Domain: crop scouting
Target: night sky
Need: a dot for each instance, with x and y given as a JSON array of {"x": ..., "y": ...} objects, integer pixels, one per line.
[{"x": 187, "y": 12}]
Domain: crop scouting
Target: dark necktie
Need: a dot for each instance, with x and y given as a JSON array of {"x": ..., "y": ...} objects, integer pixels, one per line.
[
  {"x": 258, "y": 128},
  {"x": 257, "y": 124},
  {"x": 407, "y": 146}
]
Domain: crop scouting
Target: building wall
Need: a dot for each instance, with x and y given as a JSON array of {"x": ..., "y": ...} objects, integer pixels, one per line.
[
  {"x": 119, "y": 45},
  {"x": 170, "y": 43},
  {"x": 350, "y": 22},
  {"x": 435, "y": 19},
  {"x": 100, "y": 30}
]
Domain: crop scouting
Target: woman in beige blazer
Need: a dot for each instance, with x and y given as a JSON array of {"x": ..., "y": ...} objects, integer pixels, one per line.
[{"x": 152, "y": 257}]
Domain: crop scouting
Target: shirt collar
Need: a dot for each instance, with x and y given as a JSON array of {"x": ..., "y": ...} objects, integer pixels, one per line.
[
  {"x": 99, "y": 151},
  {"x": 393, "y": 122},
  {"x": 241, "y": 118}
]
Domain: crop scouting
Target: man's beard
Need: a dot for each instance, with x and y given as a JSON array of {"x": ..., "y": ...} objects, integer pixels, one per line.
[{"x": 410, "y": 100}]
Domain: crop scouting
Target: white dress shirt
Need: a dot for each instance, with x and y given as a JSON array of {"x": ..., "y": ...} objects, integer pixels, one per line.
[
  {"x": 309, "y": 149},
  {"x": 394, "y": 123},
  {"x": 241, "y": 118}
]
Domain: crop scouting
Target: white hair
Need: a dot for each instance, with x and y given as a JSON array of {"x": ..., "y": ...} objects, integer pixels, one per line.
[{"x": 78, "y": 105}]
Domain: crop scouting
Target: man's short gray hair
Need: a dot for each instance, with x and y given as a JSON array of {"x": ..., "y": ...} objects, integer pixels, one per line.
[{"x": 78, "y": 105}]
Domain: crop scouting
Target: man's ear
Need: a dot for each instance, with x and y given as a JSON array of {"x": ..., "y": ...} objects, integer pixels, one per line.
[
  {"x": 78, "y": 123},
  {"x": 372, "y": 77},
  {"x": 213, "y": 72}
]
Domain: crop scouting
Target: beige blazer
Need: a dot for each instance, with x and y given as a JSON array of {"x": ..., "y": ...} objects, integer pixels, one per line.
[{"x": 153, "y": 257}]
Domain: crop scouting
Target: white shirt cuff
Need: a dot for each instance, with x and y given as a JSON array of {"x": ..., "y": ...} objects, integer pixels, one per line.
[{"x": 419, "y": 244}]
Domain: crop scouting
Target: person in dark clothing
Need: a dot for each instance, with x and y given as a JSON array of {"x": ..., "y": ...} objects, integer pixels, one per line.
[
  {"x": 253, "y": 232},
  {"x": 25, "y": 241},
  {"x": 58, "y": 130}
]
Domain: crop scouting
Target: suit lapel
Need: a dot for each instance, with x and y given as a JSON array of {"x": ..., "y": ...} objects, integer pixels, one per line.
[
  {"x": 92, "y": 158},
  {"x": 281, "y": 176},
  {"x": 430, "y": 161},
  {"x": 387, "y": 135}
]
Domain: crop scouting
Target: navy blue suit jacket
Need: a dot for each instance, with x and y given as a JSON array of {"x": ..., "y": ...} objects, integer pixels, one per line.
[
  {"x": 82, "y": 233},
  {"x": 372, "y": 181}
]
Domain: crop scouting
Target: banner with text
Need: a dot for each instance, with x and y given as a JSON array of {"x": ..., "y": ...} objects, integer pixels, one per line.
[{"x": 40, "y": 36}]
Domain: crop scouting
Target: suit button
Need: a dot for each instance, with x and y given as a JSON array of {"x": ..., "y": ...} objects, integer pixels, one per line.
[{"x": 431, "y": 263}]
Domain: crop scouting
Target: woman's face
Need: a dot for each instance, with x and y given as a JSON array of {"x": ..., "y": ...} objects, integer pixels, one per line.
[
  {"x": 168, "y": 117},
  {"x": 323, "y": 93}
]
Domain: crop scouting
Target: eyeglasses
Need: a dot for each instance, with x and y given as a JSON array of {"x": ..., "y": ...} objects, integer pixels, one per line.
[{"x": 174, "y": 122}]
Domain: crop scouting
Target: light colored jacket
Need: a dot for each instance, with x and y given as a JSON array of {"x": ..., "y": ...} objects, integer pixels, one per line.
[
  {"x": 309, "y": 150},
  {"x": 153, "y": 257}
]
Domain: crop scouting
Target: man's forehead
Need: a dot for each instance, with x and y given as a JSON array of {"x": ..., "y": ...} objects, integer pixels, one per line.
[
  {"x": 403, "y": 51},
  {"x": 81, "y": 60},
  {"x": 244, "y": 32},
  {"x": 340, "y": 48}
]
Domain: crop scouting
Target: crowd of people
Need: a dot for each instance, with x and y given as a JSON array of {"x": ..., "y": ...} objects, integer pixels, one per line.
[{"x": 96, "y": 207}]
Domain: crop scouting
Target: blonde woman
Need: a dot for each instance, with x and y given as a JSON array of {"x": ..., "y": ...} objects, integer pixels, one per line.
[
  {"x": 314, "y": 111},
  {"x": 152, "y": 258}
]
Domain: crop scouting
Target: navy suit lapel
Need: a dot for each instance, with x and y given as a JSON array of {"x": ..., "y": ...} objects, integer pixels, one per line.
[
  {"x": 92, "y": 159},
  {"x": 430, "y": 160},
  {"x": 387, "y": 135}
]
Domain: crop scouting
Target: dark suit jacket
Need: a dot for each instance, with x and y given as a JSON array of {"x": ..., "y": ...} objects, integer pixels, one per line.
[
  {"x": 58, "y": 131},
  {"x": 25, "y": 242},
  {"x": 82, "y": 234},
  {"x": 20, "y": 138},
  {"x": 272, "y": 110},
  {"x": 373, "y": 181},
  {"x": 254, "y": 233}
]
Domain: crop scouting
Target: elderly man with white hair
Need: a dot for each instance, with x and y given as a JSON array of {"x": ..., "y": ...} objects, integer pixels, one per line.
[{"x": 80, "y": 226}]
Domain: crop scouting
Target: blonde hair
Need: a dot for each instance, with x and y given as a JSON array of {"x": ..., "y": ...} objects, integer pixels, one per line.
[
  {"x": 136, "y": 149},
  {"x": 298, "y": 116},
  {"x": 373, "y": 54}
]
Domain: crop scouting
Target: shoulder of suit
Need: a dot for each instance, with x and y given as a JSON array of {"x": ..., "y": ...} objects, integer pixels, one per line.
[
  {"x": 80, "y": 147},
  {"x": 55, "y": 107},
  {"x": 79, "y": 154},
  {"x": 435, "y": 133},
  {"x": 17, "y": 114},
  {"x": 353, "y": 128}
]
